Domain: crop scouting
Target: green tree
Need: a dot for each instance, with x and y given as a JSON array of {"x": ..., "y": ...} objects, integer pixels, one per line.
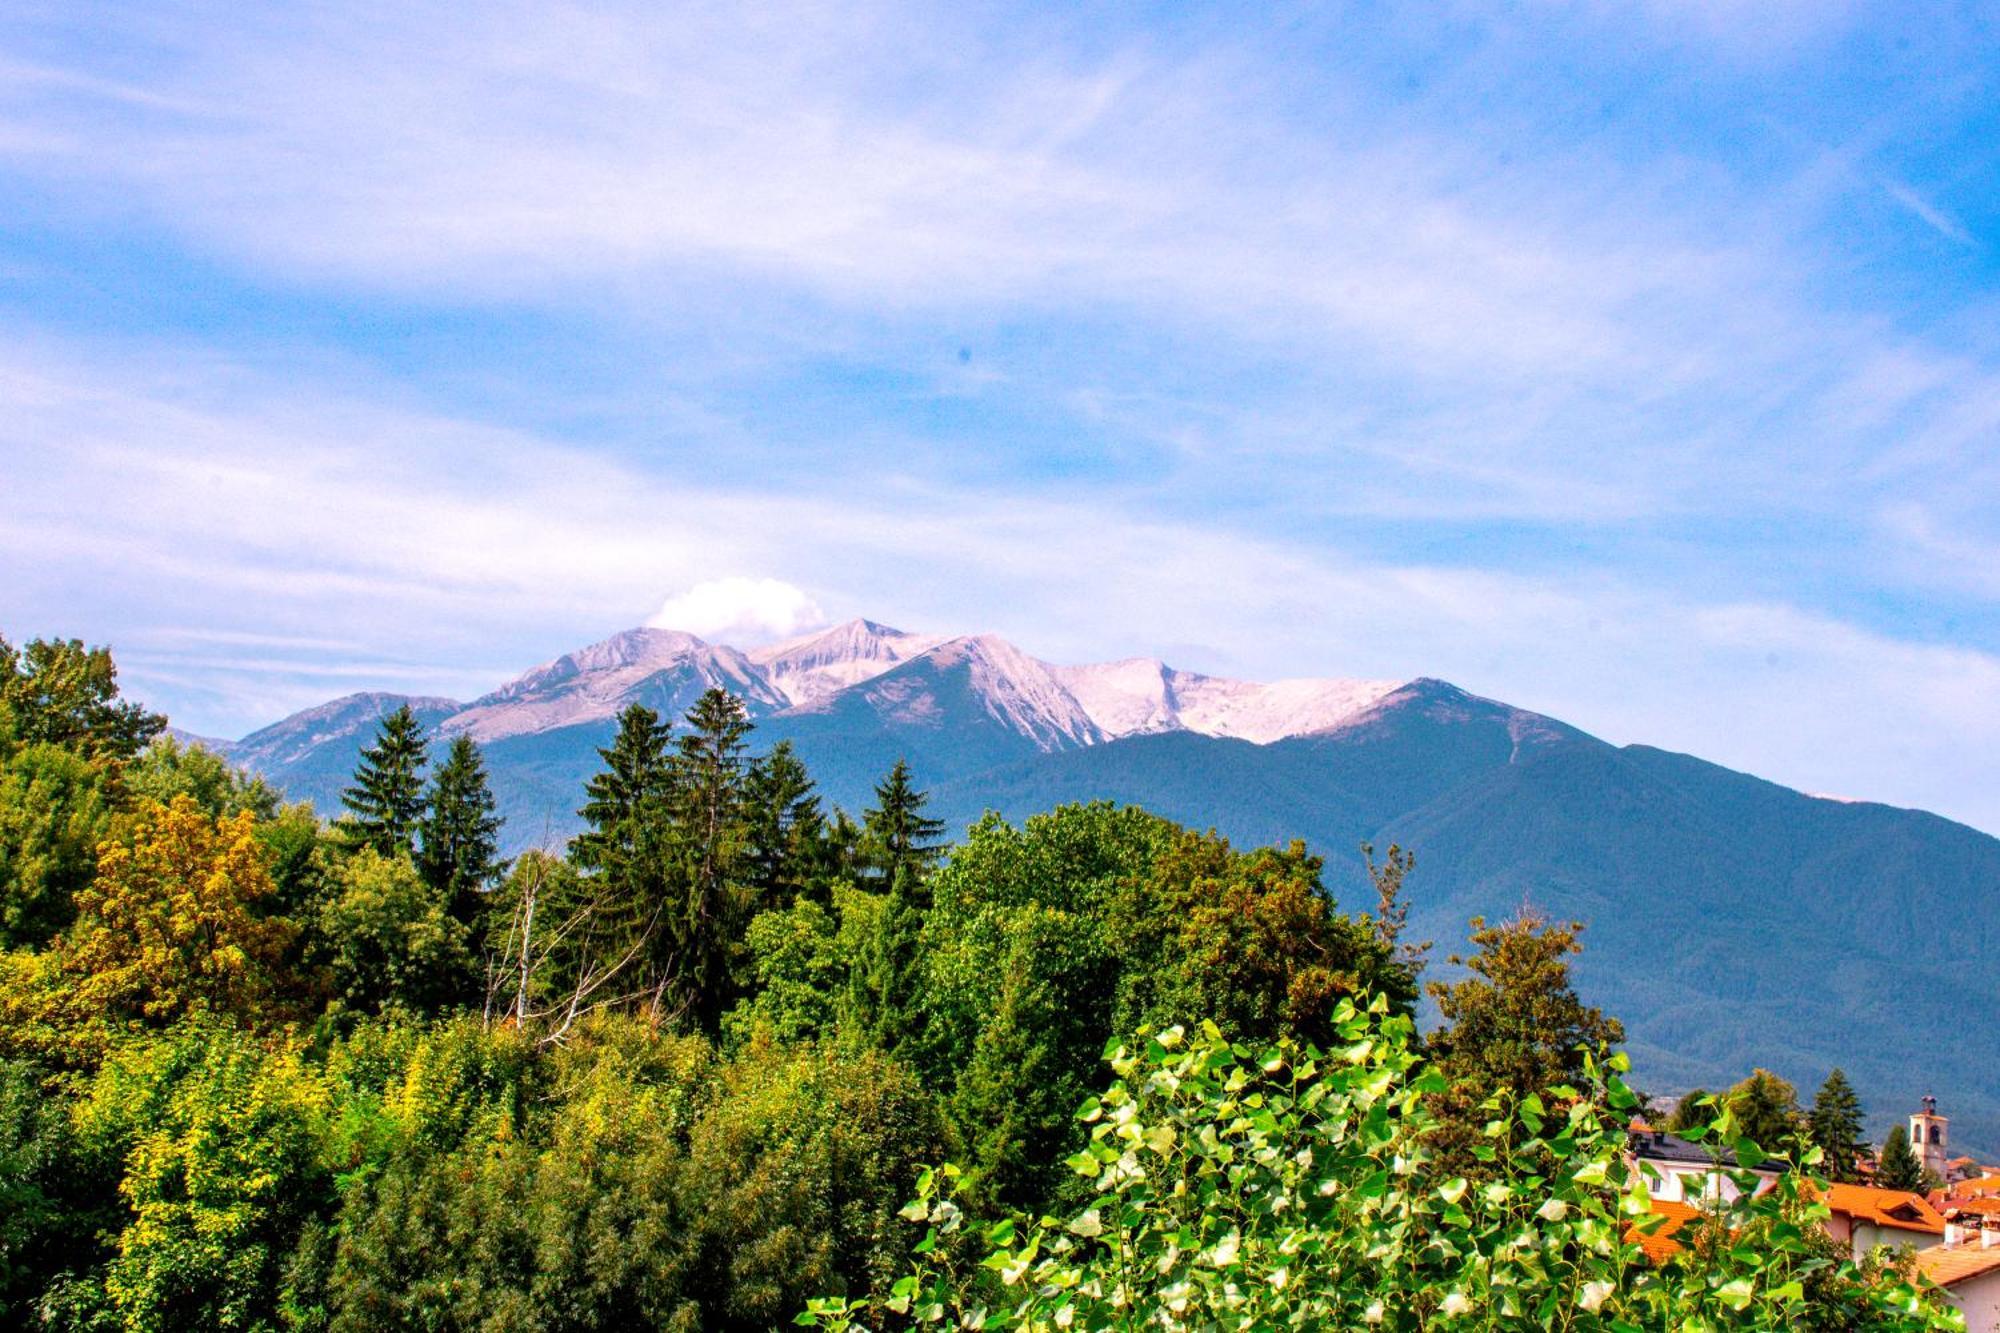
[
  {"x": 54, "y": 810},
  {"x": 458, "y": 843},
  {"x": 1515, "y": 1023},
  {"x": 1692, "y": 1111},
  {"x": 1257, "y": 944},
  {"x": 1766, "y": 1108},
  {"x": 56, "y": 1202},
  {"x": 1280, "y": 1186},
  {"x": 1835, "y": 1127},
  {"x": 1898, "y": 1167},
  {"x": 623, "y": 845},
  {"x": 888, "y": 1004},
  {"x": 59, "y": 692},
  {"x": 711, "y": 834},
  {"x": 221, "y": 1139},
  {"x": 386, "y": 802},
  {"x": 169, "y": 768},
  {"x": 786, "y": 853},
  {"x": 387, "y": 937},
  {"x": 897, "y": 831}
]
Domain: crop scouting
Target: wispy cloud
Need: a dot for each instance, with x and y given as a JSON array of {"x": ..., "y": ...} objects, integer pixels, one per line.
[
  {"x": 1545, "y": 349},
  {"x": 401, "y": 561}
]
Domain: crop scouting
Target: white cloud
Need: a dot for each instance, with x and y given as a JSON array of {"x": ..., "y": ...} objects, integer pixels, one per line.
[
  {"x": 740, "y": 611},
  {"x": 415, "y": 539}
]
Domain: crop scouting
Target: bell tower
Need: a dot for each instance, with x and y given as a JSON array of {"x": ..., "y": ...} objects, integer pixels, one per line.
[{"x": 1929, "y": 1135}]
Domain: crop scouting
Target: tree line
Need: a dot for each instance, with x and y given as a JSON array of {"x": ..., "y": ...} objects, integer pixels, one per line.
[{"x": 262, "y": 1070}]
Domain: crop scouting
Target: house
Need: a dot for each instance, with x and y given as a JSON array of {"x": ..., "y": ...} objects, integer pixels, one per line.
[
  {"x": 1864, "y": 1216},
  {"x": 1658, "y": 1239},
  {"x": 1968, "y": 1268},
  {"x": 1679, "y": 1171}
]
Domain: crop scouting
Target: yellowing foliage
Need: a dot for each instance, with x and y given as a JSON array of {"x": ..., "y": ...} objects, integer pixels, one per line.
[{"x": 170, "y": 925}]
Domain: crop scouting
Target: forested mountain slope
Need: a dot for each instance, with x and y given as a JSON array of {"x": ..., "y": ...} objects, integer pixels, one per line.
[{"x": 1731, "y": 921}]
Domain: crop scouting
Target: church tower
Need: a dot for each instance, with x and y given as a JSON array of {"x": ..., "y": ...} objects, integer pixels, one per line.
[{"x": 1929, "y": 1136}]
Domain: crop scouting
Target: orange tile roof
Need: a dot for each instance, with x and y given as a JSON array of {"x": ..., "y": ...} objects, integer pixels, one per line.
[
  {"x": 1885, "y": 1208},
  {"x": 1658, "y": 1241},
  {"x": 1949, "y": 1264},
  {"x": 1983, "y": 1185},
  {"x": 1986, "y": 1206}
]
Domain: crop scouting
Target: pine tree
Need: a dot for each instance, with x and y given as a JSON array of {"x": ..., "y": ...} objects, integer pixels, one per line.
[
  {"x": 899, "y": 834},
  {"x": 458, "y": 843},
  {"x": 711, "y": 834},
  {"x": 1835, "y": 1126},
  {"x": 1898, "y": 1168},
  {"x": 787, "y": 833},
  {"x": 386, "y": 802},
  {"x": 624, "y": 842}
]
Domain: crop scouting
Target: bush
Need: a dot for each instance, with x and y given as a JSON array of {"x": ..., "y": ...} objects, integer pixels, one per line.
[{"x": 1285, "y": 1187}]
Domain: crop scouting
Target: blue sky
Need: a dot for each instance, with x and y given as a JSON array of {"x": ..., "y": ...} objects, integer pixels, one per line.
[{"x": 1632, "y": 362}]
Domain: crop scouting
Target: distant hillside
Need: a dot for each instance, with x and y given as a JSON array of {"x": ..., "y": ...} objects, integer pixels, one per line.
[{"x": 1731, "y": 921}]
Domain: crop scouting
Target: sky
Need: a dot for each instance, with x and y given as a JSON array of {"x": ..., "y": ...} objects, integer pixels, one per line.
[{"x": 1634, "y": 363}]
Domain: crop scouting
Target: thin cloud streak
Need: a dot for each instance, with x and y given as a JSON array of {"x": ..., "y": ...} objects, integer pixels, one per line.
[{"x": 567, "y": 544}]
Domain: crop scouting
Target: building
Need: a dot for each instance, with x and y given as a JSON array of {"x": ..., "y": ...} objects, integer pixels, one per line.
[
  {"x": 1929, "y": 1134},
  {"x": 1970, "y": 1276},
  {"x": 1863, "y": 1217},
  {"x": 1679, "y": 1171},
  {"x": 1658, "y": 1238}
]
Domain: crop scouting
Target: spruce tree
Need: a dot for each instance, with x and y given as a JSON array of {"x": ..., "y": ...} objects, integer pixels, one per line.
[
  {"x": 887, "y": 1008},
  {"x": 1898, "y": 1168},
  {"x": 458, "y": 848},
  {"x": 787, "y": 835},
  {"x": 386, "y": 802},
  {"x": 623, "y": 844},
  {"x": 899, "y": 834},
  {"x": 1835, "y": 1126},
  {"x": 711, "y": 833}
]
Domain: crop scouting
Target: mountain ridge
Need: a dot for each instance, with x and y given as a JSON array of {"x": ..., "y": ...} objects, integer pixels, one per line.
[{"x": 1732, "y": 921}]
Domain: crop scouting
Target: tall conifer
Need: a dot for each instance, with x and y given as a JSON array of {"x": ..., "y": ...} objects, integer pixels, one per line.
[
  {"x": 386, "y": 802},
  {"x": 711, "y": 834},
  {"x": 1835, "y": 1126},
  {"x": 1899, "y": 1168},
  {"x": 890, "y": 1016},
  {"x": 787, "y": 830},
  {"x": 459, "y": 839},
  {"x": 899, "y": 834},
  {"x": 624, "y": 841}
]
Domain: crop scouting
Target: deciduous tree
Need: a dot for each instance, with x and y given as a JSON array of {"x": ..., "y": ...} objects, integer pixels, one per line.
[
  {"x": 62, "y": 693},
  {"x": 1515, "y": 1023},
  {"x": 54, "y": 809},
  {"x": 171, "y": 925}
]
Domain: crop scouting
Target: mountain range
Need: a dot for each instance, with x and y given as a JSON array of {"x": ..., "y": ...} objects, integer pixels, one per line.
[{"x": 1731, "y": 922}]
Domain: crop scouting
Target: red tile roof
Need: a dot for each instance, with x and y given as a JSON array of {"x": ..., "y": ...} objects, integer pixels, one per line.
[
  {"x": 1885, "y": 1208},
  {"x": 1656, "y": 1239}
]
